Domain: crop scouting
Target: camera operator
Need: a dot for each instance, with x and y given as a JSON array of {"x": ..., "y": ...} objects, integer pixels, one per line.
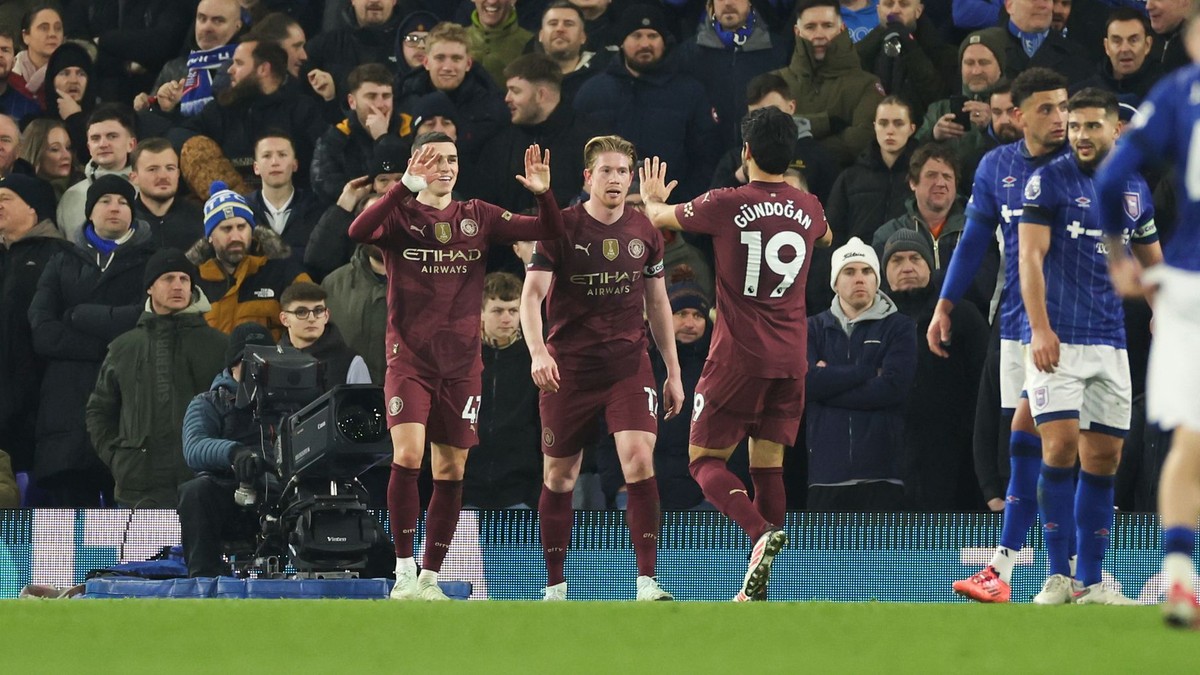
[{"x": 223, "y": 444}]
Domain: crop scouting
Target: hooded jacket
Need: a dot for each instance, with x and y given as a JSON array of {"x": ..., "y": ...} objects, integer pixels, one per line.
[
  {"x": 21, "y": 266},
  {"x": 145, "y": 384},
  {"x": 358, "y": 298},
  {"x": 724, "y": 71},
  {"x": 76, "y": 124},
  {"x": 479, "y": 104},
  {"x": 855, "y": 402},
  {"x": 662, "y": 112},
  {"x": 85, "y": 299},
  {"x": 1130, "y": 89},
  {"x": 868, "y": 194},
  {"x": 346, "y": 151},
  {"x": 836, "y": 95},
  {"x": 336, "y": 358},
  {"x": 70, "y": 216},
  {"x": 495, "y": 48},
  {"x": 252, "y": 292}
]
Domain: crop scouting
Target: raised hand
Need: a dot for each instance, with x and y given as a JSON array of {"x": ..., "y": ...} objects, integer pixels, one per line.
[
  {"x": 169, "y": 93},
  {"x": 652, "y": 180},
  {"x": 322, "y": 83},
  {"x": 353, "y": 193},
  {"x": 424, "y": 164},
  {"x": 377, "y": 123},
  {"x": 537, "y": 170}
]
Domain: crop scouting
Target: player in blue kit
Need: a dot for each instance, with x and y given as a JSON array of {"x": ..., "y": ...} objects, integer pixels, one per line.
[
  {"x": 1040, "y": 98},
  {"x": 1076, "y": 367},
  {"x": 1167, "y": 128}
]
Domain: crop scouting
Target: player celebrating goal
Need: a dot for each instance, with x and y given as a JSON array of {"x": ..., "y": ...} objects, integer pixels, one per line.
[
  {"x": 1076, "y": 366},
  {"x": 1167, "y": 128},
  {"x": 753, "y": 381},
  {"x": 596, "y": 281},
  {"x": 435, "y": 250}
]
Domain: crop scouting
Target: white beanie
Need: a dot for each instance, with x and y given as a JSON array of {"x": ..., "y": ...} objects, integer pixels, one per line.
[{"x": 853, "y": 251}]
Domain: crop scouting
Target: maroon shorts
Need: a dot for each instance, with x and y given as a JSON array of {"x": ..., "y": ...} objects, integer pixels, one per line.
[
  {"x": 449, "y": 409},
  {"x": 571, "y": 415},
  {"x": 730, "y": 406}
]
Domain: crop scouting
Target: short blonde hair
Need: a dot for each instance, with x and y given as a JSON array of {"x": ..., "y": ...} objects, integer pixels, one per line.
[
  {"x": 447, "y": 31},
  {"x": 602, "y": 144}
]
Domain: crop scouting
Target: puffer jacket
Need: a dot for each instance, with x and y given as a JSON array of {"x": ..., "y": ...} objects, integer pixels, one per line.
[
  {"x": 344, "y": 152},
  {"x": 213, "y": 427},
  {"x": 868, "y": 194}
]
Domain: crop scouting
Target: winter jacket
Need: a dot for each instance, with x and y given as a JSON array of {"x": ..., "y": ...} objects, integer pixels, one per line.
[
  {"x": 341, "y": 50},
  {"x": 85, "y": 299},
  {"x": 1130, "y": 89},
  {"x": 914, "y": 74},
  {"x": 346, "y": 151},
  {"x": 180, "y": 227},
  {"x": 563, "y": 133},
  {"x": 18, "y": 106},
  {"x": 868, "y": 194},
  {"x": 305, "y": 211},
  {"x": 939, "y": 414},
  {"x": 146, "y": 32},
  {"x": 329, "y": 247},
  {"x": 21, "y": 265},
  {"x": 662, "y": 112},
  {"x": 70, "y": 216},
  {"x": 855, "y": 403},
  {"x": 495, "y": 48},
  {"x": 135, "y": 412},
  {"x": 478, "y": 102},
  {"x": 724, "y": 72},
  {"x": 252, "y": 292},
  {"x": 1057, "y": 53},
  {"x": 358, "y": 298},
  {"x": 337, "y": 360},
  {"x": 976, "y": 141},
  {"x": 836, "y": 95},
  {"x": 213, "y": 427},
  {"x": 809, "y": 157},
  {"x": 505, "y": 469}
]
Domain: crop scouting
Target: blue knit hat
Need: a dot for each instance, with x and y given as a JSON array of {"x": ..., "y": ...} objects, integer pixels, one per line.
[{"x": 224, "y": 204}]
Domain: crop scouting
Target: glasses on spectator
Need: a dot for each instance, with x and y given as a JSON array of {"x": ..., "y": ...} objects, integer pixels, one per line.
[
  {"x": 303, "y": 312},
  {"x": 414, "y": 39}
]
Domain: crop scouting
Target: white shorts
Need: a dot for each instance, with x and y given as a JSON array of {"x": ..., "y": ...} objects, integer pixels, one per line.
[
  {"x": 1012, "y": 373},
  {"x": 1091, "y": 384},
  {"x": 1173, "y": 376}
]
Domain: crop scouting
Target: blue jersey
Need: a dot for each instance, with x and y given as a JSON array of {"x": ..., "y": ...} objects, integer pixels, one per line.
[
  {"x": 1166, "y": 128},
  {"x": 997, "y": 198},
  {"x": 1080, "y": 300}
]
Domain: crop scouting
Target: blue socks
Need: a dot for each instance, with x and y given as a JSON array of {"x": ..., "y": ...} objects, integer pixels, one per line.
[
  {"x": 1179, "y": 540},
  {"x": 1056, "y": 492},
  {"x": 1094, "y": 520},
  {"x": 1025, "y": 459}
]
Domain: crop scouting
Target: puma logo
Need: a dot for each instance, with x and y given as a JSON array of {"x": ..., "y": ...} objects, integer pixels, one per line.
[
  {"x": 585, "y": 249},
  {"x": 418, "y": 230},
  {"x": 733, "y": 492}
]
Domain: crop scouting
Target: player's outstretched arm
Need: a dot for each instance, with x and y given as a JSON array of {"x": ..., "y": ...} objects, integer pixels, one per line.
[
  {"x": 544, "y": 370},
  {"x": 1034, "y": 244},
  {"x": 369, "y": 225},
  {"x": 968, "y": 255},
  {"x": 662, "y": 327},
  {"x": 652, "y": 182}
]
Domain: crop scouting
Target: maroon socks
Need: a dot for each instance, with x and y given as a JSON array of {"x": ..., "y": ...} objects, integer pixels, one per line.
[
  {"x": 555, "y": 517},
  {"x": 726, "y": 492},
  {"x": 769, "y": 496},
  {"x": 645, "y": 519},
  {"x": 440, "y": 522},
  {"x": 404, "y": 505}
]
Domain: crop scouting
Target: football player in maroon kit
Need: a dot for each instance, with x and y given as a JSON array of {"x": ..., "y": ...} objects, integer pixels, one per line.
[
  {"x": 435, "y": 250},
  {"x": 753, "y": 381},
  {"x": 597, "y": 282}
]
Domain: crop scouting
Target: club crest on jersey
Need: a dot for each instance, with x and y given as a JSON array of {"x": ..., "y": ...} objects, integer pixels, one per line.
[
  {"x": 1041, "y": 397},
  {"x": 395, "y": 405},
  {"x": 442, "y": 231},
  {"x": 636, "y": 248},
  {"x": 1133, "y": 205},
  {"x": 469, "y": 227},
  {"x": 1008, "y": 181},
  {"x": 547, "y": 437},
  {"x": 611, "y": 248},
  {"x": 1033, "y": 189},
  {"x": 1083, "y": 202}
]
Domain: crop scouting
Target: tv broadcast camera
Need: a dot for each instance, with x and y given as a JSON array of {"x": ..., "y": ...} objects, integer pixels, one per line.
[{"x": 317, "y": 443}]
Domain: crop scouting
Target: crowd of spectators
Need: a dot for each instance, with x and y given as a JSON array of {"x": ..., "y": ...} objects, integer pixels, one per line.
[{"x": 172, "y": 169}]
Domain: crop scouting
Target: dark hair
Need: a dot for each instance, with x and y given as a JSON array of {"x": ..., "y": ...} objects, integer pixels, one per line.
[
  {"x": 273, "y": 27},
  {"x": 155, "y": 144},
  {"x": 27, "y": 18},
  {"x": 1004, "y": 87},
  {"x": 1127, "y": 14},
  {"x": 1033, "y": 81},
  {"x": 302, "y": 291},
  {"x": 274, "y": 132},
  {"x": 805, "y": 5},
  {"x": 896, "y": 100},
  {"x": 1094, "y": 97},
  {"x": 771, "y": 135},
  {"x": 564, "y": 4},
  {"x": 535, "y": 68},
  {"x": 7, "y": 32},
  {"x": 502, "y": 286},
  {"x": 369, "y": 73},
  {"x": 932, "y": 150},
  {"x": 429, "y": 137},
  {"x": 765, "y": 84},
  {"x": 273, "y": 54},
  {"x": 118, "y": 112}
]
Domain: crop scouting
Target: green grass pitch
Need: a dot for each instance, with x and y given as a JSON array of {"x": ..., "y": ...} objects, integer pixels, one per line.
[{"x": 295, "y": 636}]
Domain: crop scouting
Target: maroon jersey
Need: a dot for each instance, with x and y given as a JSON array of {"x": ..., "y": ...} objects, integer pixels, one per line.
[
  {"x": 762, "y": 236},
  {"x": 436, "y": 262},
  {"x": 595, "y": 306}
]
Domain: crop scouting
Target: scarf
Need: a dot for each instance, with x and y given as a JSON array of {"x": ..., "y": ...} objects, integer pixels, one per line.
[
  {"x": 202, "y": 67},
  {"x": 737, "y": 38},
  {"x": 1030, "y": 42},
  {"x": 34, "y": 77},
  {"x": 106, "y": 246}
]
